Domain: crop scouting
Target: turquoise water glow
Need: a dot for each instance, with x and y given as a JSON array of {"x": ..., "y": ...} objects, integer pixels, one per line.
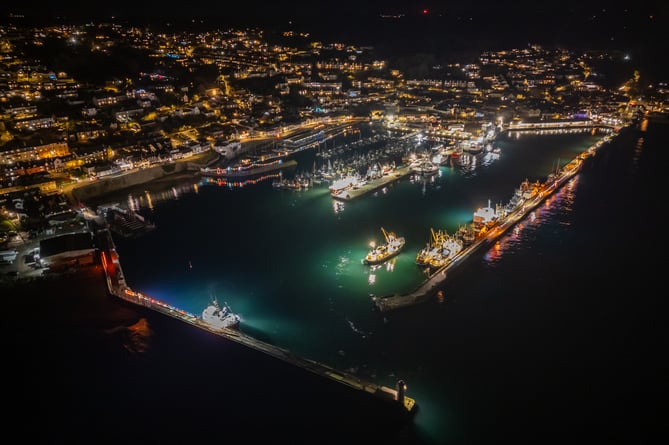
[{"x": 290, "y": 262}]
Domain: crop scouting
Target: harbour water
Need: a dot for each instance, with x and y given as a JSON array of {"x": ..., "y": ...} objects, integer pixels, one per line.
[{"x": 532, "y": 335}]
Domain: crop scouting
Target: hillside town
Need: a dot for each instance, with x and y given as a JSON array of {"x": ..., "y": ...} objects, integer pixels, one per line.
[{"x": 85, "y": 104}]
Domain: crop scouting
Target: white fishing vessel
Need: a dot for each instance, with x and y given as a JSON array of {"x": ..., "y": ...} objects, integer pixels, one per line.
[
  {"x": 392, "y": 247},
  {"x": 219, "y": 316}
]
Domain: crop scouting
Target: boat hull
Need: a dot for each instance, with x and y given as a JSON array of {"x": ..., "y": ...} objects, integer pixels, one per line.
[{"x": 380, "y": 260}]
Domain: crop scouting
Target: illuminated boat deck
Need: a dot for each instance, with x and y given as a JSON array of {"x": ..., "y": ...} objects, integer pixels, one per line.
[{"x": 375, "y": 184}]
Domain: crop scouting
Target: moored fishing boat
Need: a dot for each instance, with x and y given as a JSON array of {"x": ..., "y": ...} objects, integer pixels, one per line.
[
  {"x": 466, "y": 234},
  {"x": 485, "y": 216},
  {"x": 425, "y": 167},
  {"x": 218, "y": 316},
  {"x": 382, "y": 252},
  {"x": 432, "y": 249},
  {"x": 440, "y": 250},
  {"x": 450, "y": 247},
  {"x": 457, "y": 152},
  {"x": 339, "y": 187}
]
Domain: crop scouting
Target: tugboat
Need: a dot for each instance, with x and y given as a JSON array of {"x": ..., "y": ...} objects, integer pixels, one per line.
[
  {"x": 392, "y": 247},
  {"x": 218, "y": 316}
]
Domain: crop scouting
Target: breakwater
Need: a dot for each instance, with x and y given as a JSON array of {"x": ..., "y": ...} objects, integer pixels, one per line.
[
  {"x": 431, "y": 285},
  {"x": 118, "y": 287}
]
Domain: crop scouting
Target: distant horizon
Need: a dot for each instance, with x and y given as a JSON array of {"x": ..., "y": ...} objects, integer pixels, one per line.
[
  {"x": 452, "y": 32},
  {"x": 637, "y": 18}
]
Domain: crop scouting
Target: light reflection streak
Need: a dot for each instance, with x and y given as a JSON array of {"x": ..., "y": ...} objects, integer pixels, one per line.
[
  {"x": 148, "y": 198},
  {"x": 517, "y": 134},
  {"x": 561, "y": 199},
  {"x": 337, "y": 206},
  {"x": 223, "y": 182},
  {"x": 131, "y": 203}
]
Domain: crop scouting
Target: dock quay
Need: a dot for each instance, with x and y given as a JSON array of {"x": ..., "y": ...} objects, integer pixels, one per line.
[
  {"x": 118, "y": 287},
  {"x": 430, "y": 286},
  {"x": 375, "y": 184}
]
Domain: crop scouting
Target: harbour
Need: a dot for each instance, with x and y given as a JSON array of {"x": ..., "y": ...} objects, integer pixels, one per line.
[
  {"x": 331, "y": 299},
  {"x": 278, "y": 283}
]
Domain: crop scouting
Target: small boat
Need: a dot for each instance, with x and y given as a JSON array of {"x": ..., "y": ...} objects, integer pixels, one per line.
[
  {"x": 425, "y": 167},
  {"x": 340, "y": 187},
  {"x": 392, "y": 247},
  {"x": 457, "y": 152},
  {"x": 466, "y": 234}
]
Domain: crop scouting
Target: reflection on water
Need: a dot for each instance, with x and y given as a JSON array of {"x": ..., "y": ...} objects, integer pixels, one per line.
[
  {"x": 337, "y": 206},
  {"x": 136, "y": 338},
  {"x": 223, "y": 182},
  {"x": 561, "y": 201},
  {"x": 137, "y": 201}
]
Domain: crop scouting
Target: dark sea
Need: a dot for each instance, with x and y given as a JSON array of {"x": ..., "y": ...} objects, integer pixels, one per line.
[{"x": 553, "y": 334}]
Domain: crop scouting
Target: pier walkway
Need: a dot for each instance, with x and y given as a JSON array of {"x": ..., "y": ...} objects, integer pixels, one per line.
[{"x": 118, "y": 287}]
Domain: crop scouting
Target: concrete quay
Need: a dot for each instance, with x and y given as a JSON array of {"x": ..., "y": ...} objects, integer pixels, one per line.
[{"x": 431, "y": 286}]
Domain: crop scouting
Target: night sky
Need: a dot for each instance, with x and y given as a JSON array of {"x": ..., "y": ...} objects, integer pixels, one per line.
[
  {"x": 597, "y": 11},
  {"x": 452, "y": 30}
]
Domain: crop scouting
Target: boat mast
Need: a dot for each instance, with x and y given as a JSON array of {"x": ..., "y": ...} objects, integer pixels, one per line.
[{"x": 385, "y": 234}]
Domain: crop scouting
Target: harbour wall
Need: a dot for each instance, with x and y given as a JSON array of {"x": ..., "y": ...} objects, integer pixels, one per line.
[
  {"x": 118, "y": 287},
  {"x": 135, "y": 177}
]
